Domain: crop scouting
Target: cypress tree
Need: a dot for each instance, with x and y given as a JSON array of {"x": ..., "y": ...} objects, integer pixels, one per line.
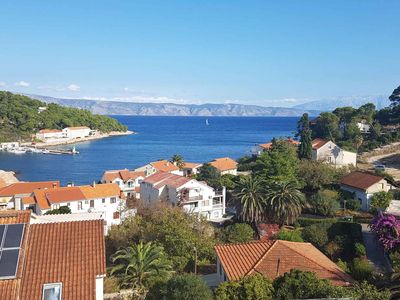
[{"x": 304, "y": 131}]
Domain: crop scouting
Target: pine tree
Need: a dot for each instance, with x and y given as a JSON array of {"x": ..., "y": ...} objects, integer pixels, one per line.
[{"x": 304, "y": 131}]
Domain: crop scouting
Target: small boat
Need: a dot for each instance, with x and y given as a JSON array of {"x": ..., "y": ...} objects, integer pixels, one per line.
[
  {"x": 207, "y": 123},
  {"x": 17, "y": 151}
]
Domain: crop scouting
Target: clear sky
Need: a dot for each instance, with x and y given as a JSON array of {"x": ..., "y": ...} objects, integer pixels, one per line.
[{"x": 253, "y": 52}]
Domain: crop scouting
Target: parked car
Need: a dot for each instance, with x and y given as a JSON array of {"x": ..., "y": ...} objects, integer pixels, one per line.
[{"x": 380, "y": 167}]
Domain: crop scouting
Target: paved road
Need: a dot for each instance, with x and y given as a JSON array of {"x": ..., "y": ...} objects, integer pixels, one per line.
[{"x": 375, "y": 253}]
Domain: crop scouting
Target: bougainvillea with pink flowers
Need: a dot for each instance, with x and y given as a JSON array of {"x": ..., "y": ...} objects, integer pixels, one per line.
[{"x": 387, "y": 229}]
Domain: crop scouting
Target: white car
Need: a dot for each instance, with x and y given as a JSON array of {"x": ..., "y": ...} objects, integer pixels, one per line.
[{"x": 380, "y": 167}]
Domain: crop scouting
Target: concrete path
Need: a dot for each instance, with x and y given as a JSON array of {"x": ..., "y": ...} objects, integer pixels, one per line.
[{"x": 375, "y": 252}]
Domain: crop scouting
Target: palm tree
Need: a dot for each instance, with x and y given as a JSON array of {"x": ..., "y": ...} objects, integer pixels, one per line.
[
  {"x": 284, "y": 202},
  {"x": 138, "y": 263},
  {"x": 178, "y": 161},
  {"x": 251, "y": 201}
]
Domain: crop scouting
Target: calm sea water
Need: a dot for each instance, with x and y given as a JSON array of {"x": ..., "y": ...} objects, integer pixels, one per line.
[{"x": 157, "y": 138}]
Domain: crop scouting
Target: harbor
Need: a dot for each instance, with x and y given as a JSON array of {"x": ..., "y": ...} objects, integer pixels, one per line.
[{"x": 15, "y": 148}]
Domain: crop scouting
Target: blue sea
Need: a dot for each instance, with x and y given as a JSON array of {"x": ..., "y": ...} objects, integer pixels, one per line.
[{"x": 157, "y": 138}]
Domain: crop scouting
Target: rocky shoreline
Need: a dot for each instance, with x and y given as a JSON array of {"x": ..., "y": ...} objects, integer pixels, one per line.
[
  {"x": 7, "y": 178},
  {"x": 80, "y": 140}
]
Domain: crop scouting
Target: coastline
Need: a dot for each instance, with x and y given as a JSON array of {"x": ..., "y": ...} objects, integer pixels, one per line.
[{"x": 80, "y": 140}]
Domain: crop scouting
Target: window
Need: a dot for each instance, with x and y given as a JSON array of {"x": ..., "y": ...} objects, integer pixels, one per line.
[
  {"x": 382, "y": 186},
  {"x": 86, "y": 201},
  {"x": 113, "y": 200},
  {"x": 79, "y": 205},
  {"x": 92, "y": 203},
  {"x": 130, "y": 183},
  {"x": 56, "y": 206},
  {"x": 206, "y": 202},
  {"x": 116, "y": 215},
  {"x": 68, "y": 204},
  {"x": 52, "y": 291},
  {"x": 103, "y": 200}
]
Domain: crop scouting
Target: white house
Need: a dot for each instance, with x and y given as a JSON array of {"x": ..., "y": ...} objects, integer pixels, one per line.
[
  {"x": 364, "y": 126},
  {"x": 49, "y": 134},
  {"x": 189, "y": 169},
  {"x": 160, "y": 166},
  {"x": 364, "y": 186},
  {"x": 11, "y": 196},
  {"x": 193, "y": 196},
  {"x": 104, "y": 198},
  {"x": 76, "y": 132},
  {"x": 128, "y": 181},
  {"x": 328, "y": 151},
  {"x": 225, "y": 165}
]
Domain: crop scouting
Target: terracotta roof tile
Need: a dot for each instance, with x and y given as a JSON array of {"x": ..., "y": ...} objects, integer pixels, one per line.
[
  {"x": 100, "y": 190},
  {"x": 28, "y": 200},
  {"x": 161, "y": 179},
  {"x": 191, "y": 165},
  {"x": 14, "y": 216},
  {"x": 318, "y": 143},
  {"x": 9, "y": 289},
  {"x": 72, "y": 253},
  {"x": 224, "y": 164},
  {"x": 360, "y": 180},
  {"x": 20, "y": 188},
  {"x": 274, "y": 258},
  {"x": 164, "y": 166},
  {"x": 64, "y": 194},
  {"x": 124, "y": 174}
]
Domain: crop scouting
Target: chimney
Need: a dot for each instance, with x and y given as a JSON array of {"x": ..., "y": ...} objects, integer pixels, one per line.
[
  {"x": 277, "y": 267},
  {"x": 54, "y": 185}
]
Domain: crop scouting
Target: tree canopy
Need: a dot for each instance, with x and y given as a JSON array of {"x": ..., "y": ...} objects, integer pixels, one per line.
[{"x": 20, "y": 117}]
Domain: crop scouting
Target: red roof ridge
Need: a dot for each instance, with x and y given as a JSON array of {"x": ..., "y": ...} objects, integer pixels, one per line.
[{"x": 262, "y": 257}]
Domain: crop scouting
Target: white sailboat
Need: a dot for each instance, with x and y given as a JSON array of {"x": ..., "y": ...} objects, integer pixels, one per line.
[{"x": 207, "y": 123}]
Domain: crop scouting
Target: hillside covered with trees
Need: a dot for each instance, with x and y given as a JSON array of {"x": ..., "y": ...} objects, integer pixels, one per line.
[
  {"x": 20, "y": 117},
  {"x": 340, "y": 125}
]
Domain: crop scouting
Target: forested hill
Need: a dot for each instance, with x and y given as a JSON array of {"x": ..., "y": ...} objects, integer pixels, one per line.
[{"x": 20, "y": 117}]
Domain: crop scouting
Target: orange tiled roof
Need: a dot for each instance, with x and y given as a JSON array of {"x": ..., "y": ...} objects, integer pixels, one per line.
[
  {"x": 224, "y": 164},
  {"x": 100, "y": 190},
  {"x": 164, "y": 166},
  {"x": 20, "y": 188},
  {"x": 318, "y": 143},
  {"x": 360, "y": 180},
  {"x": 190, "y": 165},
  {"x": 268, "y": 146},
  {"x": 28, "y": 200},
  {"x": 161, "y": 179},
  {"x": 14, "y": 216},
  {"x": 72, "y": 253},
  {"x": 274, "y": 258},
  {"x": 9, "y": 288},
  {"x": 124, "y": 175}
]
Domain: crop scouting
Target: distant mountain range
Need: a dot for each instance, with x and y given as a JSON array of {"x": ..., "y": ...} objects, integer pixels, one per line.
[
  {"x": 330, "y": 104},
  {"x": 171, "y": 109}
]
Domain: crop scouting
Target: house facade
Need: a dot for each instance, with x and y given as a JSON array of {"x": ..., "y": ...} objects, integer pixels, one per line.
[
  {"x": 364, "y": 186},
  {"x": 11, "y": 196},
  {"x": 56, "y": 260},
  {"x": 76, "y": 132},
  {"x": 189, "y": 169},
  {"x": 329, "y": 152},
  {"x": 225, "y": 165},
  {"x": 128, "y": 181},
  {"x": 193, "y": 196},
  {"x": 45, "y": 134},
  {"x": 274, "y": 258},
  {"x": 105, "y": 198}
]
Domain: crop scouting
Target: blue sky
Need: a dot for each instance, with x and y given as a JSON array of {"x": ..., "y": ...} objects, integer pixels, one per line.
[{"x": 255, "y": 52}]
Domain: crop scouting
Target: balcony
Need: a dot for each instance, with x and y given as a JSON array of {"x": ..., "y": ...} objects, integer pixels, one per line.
[{"x": 186, "y": 198}]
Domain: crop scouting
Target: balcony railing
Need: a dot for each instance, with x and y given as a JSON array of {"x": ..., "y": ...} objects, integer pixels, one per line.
[{"x": 192, "y": 198}]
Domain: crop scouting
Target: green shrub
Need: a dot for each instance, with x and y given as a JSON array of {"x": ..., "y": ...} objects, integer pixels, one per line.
[
  {"x": 111, "y": 285},
  {"x": 380, "y": 201},
  {"x": 325, "y": 202},
  {"x": 311, "y": 221},
  {"x": 353, "y": 204},
  {"x": 366, "y": 291},
  {"x": 316, "y": 234},
  {"x": 237, "y": 233},
  {"x": 361, "y": 269},
  {"x": 395, "y": 260},
  {"x": 360, "y": 249},
  {"x": 190, "y": 287},
  {"x": 249, "y": 287},
  {"x": 59, "y": 211},
  {"x": 343, "y": 265},
  {"x": 290, "y": 235}
]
